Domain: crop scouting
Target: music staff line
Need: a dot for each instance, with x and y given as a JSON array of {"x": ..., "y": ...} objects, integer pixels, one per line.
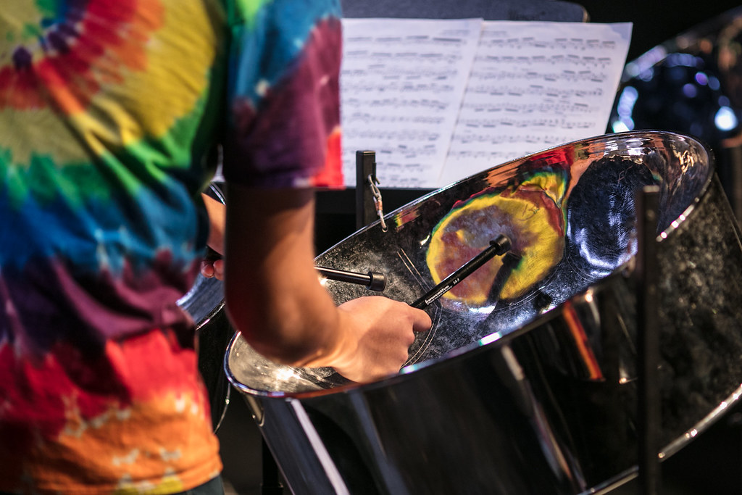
[
  {"x": 405, "y": 135},
  {"x": 368, "y": 118},
  {"x": 505, "y": 139},
  {"x": 395, "y": 103},
  {"x": 488, "y": 39},
  {"x": 485, "y": 75},
  {"x": 529, "y": 61},
  {"x": 538, "y": 123},
  {"x": 399, "y": 150},
  {"x": 510, "y": 92},
  {"x": 452, "y": 39},
  {"x": 403, "y": 57},
  {"x": 564, "y": 76},
  {"x": 534, "y": 90},
  {"x": 554, "y": 60},
  {"x": 470, "y": 136},
  {"x": 400, "y": 71},
  {"x": 365, "y": 86},
  {"x": 478, "y": 154},
  {"x": 517, "y": 43},
  {"x": 399, "y": 175},
  {"x": 551, "y": 108}
]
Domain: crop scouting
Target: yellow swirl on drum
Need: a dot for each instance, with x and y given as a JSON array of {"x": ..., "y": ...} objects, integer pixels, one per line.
[{"x": 529, "y": 214}]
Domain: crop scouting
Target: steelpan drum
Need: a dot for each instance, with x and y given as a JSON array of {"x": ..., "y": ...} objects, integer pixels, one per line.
[
  {"x": 692, "y": 84},
  {"x": 527, "y": 381},
  {"x": 205, "y": 303}
]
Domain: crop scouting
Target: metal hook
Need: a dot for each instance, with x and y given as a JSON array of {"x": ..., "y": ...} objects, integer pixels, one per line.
[{"x": 372, "y": 181}]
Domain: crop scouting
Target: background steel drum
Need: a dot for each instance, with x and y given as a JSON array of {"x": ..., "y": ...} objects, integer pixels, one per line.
[
  {"x": 205, "y": 303},
  {"x": 692, "y": 84},
  {"x": 534, "y": 392}
]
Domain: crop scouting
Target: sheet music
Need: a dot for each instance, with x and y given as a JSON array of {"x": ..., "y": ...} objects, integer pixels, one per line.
[
  {"x": 533, "y": 86},
  {"x": 401, "y": 85},
  {"x": 440, "y": 100}
]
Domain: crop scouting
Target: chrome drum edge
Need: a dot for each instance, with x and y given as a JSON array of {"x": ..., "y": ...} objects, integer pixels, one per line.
[
  {"x": 533, "y": 388},
  {"x": 204, "y": 302}
]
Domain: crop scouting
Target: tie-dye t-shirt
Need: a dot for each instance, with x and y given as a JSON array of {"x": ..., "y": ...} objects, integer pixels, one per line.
[{"x": 109, "y": 112}]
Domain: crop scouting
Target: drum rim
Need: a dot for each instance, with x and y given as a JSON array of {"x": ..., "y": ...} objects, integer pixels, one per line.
[
  {"x": 491, "y": 340},
  {"x": 411, "y": 372}
]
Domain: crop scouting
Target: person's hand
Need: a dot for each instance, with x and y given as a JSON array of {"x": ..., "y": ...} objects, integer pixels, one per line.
[
  {"x": 274, "y": 297},
  {"x": 380, "y": 332},
  {"x": 212, "y": 268}
]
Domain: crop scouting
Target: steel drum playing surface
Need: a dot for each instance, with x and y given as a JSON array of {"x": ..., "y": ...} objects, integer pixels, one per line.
[{"x": 529, "y": 370}]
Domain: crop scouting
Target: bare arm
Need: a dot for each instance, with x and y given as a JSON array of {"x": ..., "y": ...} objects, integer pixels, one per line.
[{"x": 274, "y": 297}]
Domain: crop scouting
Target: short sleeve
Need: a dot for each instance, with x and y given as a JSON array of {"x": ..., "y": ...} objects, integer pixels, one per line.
[{"x": 283, "y": 94}]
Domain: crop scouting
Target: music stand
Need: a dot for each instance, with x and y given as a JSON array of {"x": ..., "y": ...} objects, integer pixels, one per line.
[{"x": 336, "y": 209}]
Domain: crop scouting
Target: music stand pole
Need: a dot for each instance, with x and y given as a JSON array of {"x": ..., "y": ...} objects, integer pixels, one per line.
[
  {"x": 271, "y": 479},
  {"x": 649, "y": 406},
  {"x": 365, "y": 167}
]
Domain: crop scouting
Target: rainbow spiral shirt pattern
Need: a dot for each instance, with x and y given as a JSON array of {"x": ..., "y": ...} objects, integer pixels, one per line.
[{"x": 108, "y": 110}]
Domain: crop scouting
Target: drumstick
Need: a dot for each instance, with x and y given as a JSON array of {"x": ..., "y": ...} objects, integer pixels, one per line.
[
  {"x": 375, "y": 281},
  {"x": 497, "y": 247}
]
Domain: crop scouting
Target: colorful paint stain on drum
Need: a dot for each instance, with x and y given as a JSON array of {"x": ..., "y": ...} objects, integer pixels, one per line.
[{"x": 530, "y": 214}]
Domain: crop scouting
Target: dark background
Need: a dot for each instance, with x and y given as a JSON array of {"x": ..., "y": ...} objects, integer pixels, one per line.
[
  {"x": 655, "y": 21},
  {"x": 711, "y": 464}
]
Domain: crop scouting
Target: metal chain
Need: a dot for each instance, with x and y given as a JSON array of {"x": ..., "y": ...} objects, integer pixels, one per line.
[{"x": 372, "y": 181}]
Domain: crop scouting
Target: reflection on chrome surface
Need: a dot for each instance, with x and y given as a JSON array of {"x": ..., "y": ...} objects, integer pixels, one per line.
[{"x": 692, "y": 84}]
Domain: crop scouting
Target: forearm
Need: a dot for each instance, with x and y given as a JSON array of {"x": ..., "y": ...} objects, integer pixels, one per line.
[
  {"x": 272, "y": 291},
  {"x": 275, "y": 299}
]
